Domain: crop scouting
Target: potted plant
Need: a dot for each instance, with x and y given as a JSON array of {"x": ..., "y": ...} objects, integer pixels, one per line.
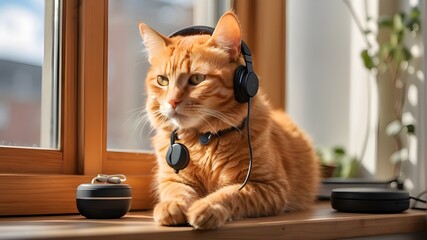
[
  {"x": 335, "y": 162},
  {"x": 389, "y": 61}
]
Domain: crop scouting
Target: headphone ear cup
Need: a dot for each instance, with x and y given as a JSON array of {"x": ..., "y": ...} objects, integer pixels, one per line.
[
  {"x": 178, "y": 156},
  {"x": 246, "y": 84},
  {"x": 239, "y": 92}
]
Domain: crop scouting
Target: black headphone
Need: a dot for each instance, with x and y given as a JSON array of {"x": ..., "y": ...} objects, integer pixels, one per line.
[
  {"x": 177, "y": 155},
  {"x": 245, "y": 87}
]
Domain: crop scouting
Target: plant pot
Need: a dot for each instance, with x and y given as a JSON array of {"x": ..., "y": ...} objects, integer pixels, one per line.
[{"x": 327, "y": 171}]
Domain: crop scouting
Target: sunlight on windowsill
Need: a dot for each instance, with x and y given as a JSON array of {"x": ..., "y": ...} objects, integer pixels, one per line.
[{"x": 321, "y": 222}]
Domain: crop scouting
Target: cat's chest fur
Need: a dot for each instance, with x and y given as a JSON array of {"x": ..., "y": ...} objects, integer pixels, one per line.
[{"x": 213, "y": 165}]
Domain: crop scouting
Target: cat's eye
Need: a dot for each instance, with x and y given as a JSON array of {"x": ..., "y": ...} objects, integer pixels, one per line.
[
  {"x": 162, "y": 80},
  {"x": 195, "y": 79}
]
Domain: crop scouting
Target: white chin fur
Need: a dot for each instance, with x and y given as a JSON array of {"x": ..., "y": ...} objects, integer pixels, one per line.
[
  {"x": 178, "y": 119},
  {"x": 184, "y": 122},
  {"x": 175, "y": 122}
]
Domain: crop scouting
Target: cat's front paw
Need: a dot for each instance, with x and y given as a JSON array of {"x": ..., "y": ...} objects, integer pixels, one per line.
[
  {"x": 170, "y": 213},
  {"x": 204, "y": 215}
]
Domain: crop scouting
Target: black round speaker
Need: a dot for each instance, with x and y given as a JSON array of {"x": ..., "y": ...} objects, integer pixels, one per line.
[
  {"x": 103, "y": 201},
  {"x": 369, "y": 200}
]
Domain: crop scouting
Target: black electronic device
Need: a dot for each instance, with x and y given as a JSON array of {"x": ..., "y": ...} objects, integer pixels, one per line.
[
  {"x": 369, "y": 200},
  {"x": 105, "y": 198}
]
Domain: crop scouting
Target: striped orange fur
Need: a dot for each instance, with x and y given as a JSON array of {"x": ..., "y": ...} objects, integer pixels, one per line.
[{"x": 285, "y": 171}]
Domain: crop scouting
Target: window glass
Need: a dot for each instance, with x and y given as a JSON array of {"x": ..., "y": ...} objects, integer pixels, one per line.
[
  {"x": 128, "y": 128},
  {"x": 28, "y": 86}
]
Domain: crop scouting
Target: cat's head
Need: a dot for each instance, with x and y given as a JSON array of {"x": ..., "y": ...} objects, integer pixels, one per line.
[{"x": 190, "y": 82}]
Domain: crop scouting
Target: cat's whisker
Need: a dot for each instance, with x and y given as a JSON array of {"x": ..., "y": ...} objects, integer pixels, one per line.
[
  {"x": 136, "y": 114},
  {"x": 141, "y": 131},
  {"x": 210, "y": 125},
  {"x": 216, "y": 114},
  {"x": 136, "y": 118},
  {"x": 162, "y": 121},
  {"x": 219, "y": 116},
  {"x": 139, "y": 63},
  {"x": 157, "y": 114},
  {"x": 143, "y": 120},
  {"x": 137, "y": 109},
  {"x": 224, "y": 115}
]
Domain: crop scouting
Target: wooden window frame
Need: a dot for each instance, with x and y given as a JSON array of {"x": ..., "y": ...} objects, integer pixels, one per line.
[
  {"x": 62, "y": 161},
  {"x": 49, "y": 186}
]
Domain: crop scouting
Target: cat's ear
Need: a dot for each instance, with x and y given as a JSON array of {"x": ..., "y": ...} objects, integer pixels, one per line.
[
  {"x": 153, "y": 41},
  {"x": 227, "y": 34}
]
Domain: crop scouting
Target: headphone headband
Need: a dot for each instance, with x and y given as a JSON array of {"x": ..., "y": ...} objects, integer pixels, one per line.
[
  {"x": 193, "y": 30},
  {"x": 206, "y": 30}
]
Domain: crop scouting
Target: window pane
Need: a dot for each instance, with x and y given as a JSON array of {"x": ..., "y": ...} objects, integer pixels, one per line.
[
  {"x": 127, "y": 65},
  {"x": 28, "y": 86}
]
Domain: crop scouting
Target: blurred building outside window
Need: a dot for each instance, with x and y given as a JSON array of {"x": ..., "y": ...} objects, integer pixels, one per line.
[{"x": 29, "y": 56}]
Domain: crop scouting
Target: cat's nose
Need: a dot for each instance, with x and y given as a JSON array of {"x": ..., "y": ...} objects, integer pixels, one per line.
[{"x": 174, "y": 103}]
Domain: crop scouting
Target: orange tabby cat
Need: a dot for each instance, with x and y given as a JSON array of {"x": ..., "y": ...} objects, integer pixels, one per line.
[{"x": 190, "y": 88}]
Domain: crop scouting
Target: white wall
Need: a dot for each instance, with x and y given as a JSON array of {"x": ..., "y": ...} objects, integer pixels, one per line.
[
  {"x": 326, "y": 81},
  {"x": 328, "y": 86}
]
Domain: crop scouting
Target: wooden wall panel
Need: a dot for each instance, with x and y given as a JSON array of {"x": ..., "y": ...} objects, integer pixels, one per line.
[{"x": 264, "y": 30}]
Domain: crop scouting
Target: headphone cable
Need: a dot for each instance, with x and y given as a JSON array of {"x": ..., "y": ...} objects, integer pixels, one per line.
[
  {"x": 249, "y": 145},
  {"x": 418, "y": 199}
]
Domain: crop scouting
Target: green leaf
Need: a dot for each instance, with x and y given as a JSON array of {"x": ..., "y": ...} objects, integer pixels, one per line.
[
  {"x": 415, "y": 13},
  {"x": 398, "y": 22},
  {"x": 413, "y": 25},
  {"x": 394, "y": 40},
  {"x": 385, "y": 50},
  {"x": 410, "y": 128},
  {"x": 402, "y": 16},
  {"x": 367, "y": 60},
  {"x": 400, "y": 54},
  {"x": 414, "y": 21},
  {"x": 349, "y": 168},
  {"x": 406, "y": 54},
  {"x": 385, "y": 21},
  {"x": 326, "y": 156},
  {"x": 339, "y": 150}
]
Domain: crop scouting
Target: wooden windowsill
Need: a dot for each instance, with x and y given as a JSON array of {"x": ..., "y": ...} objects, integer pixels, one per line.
[{"x": 321, "y": 222}]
